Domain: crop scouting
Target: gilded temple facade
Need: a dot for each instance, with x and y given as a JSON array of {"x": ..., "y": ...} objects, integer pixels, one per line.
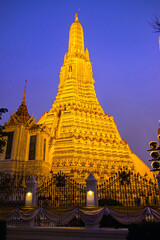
[{"x": 75, "y": 136}]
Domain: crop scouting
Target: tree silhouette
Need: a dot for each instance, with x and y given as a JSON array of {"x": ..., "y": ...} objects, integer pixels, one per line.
[{"x": 156, "y": 24}]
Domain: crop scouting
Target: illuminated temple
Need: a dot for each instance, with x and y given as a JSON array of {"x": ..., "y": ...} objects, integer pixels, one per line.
[{"x": 75, "y": 136}]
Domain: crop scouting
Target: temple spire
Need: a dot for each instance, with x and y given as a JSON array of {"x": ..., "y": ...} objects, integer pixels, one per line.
[
  {"x": 76, "y": 38},
  {"x": 22, "y": 115},
  {"x": 22, "y": 111},
  {"x": 24, "y": 96},
  {"x": 76, "y": 17}
]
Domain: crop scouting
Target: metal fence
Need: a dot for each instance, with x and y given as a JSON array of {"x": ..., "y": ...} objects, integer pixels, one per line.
[
  {"x": 12, "y": 190},
  {"x": 128, "y": 189},
  {"x": 61, "y": 191},
  {"x": 123, "y": 189}
]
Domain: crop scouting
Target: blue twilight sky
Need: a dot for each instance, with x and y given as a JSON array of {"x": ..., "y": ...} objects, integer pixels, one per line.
[{"x": 123, "y": 50}]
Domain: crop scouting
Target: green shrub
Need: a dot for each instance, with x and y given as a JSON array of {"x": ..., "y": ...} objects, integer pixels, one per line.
[
  {"x": 144, "y": 231},
  {"x": 3, "y": 230}
]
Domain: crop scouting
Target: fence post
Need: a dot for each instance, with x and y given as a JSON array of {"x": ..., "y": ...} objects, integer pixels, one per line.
[
  {"x": 158, "y": 178},
  {"x": 31, "y": 194},
  {"x": 91, "y": 191}
]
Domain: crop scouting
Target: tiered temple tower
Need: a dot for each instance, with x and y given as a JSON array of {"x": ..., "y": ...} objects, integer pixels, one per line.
[
  {"x": 83, "y": 137},
  {"x": 75, "y": 136}
]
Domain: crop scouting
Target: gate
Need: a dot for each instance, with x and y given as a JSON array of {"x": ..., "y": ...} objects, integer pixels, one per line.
[
  {"x": 128, "y": 189},
  {"x": 12, "y": 190},
  {"x": 61, "y": 191}
]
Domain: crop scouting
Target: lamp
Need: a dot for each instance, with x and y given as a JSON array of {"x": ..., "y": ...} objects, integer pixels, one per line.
[
  {"x": 90, "y": 197},
  {"x": 28, "y": 199}
]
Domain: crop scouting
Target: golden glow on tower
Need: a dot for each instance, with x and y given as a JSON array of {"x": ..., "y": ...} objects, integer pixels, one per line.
[
  {"x": 75, "y": 136},
  {"x": 83, "y": 138},
  {"x": 76, "y": 38},
  {"x": 76, "y": 85}
]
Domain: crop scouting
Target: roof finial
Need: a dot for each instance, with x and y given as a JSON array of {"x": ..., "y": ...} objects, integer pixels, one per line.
[
  {"x": 76, "y": 17},
  {"x": 24, "y": 96}
]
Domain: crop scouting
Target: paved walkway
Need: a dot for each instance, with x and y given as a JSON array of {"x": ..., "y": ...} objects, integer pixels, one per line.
[{"x": 63, "y": 233}]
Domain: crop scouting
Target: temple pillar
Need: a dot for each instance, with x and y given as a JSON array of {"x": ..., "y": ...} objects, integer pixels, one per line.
[
  {"x": 31, "y": 193},
  {"x": 91, "y": 191}
]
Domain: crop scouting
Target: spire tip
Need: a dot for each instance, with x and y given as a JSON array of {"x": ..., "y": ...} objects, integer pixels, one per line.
[
  {"x": 76, "y": 17},
  {"x": 24, "y": 96}
]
